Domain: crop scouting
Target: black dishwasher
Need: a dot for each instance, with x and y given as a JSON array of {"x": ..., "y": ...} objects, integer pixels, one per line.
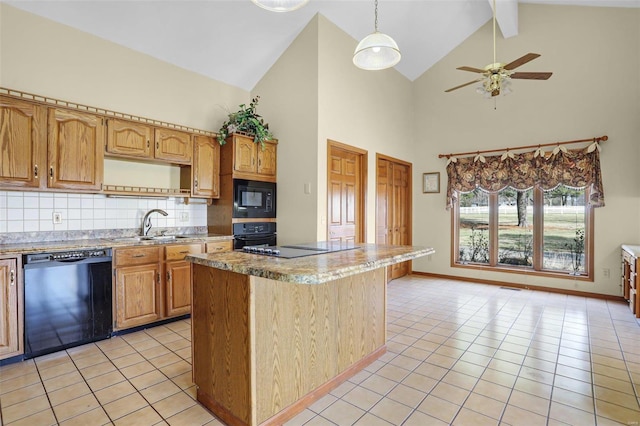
[{"x": 67, "y": 299}]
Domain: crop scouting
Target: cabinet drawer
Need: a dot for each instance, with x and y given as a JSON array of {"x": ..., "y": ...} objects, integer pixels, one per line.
[
  {"x": 219, "y": 246},
  {"x": 179, "y": 251},
  {"x": 138, "y": 255}
]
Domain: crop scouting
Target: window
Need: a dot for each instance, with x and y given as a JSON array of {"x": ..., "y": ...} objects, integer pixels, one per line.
[
  {"x": 528, "y": 213},
  {"x": 532, "y": 230}
]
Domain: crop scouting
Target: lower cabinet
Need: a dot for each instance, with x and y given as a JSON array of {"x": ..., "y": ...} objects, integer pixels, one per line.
[
  {"x": 10, "y": 309},
  {"x": 631, "y": 276},
  {"x": 154, "y": 282},
  {"x": 137, "y": 286}
]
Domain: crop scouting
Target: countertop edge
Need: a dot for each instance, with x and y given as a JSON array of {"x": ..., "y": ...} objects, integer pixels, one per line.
[{"x": 330, "y": 274}]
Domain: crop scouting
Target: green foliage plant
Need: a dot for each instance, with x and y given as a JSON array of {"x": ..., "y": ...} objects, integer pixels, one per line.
[
  {"x": 247, "y": 121},
  {"x": 576, "y": 247}
]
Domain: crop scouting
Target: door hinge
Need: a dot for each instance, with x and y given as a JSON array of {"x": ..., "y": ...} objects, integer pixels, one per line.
[
  {"x": 12, "y": 277},
  {"x": 168, "y": 276}
]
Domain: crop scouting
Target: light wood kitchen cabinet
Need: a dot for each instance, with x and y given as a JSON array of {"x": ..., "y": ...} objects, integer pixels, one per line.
[
  {"x": 631, "y": 276},
  {"x": 203, "y": 177},
  {"x": 75, "y": 150},
  {"x": 244, "y": 159},
  {"x": 23, "y": 137},
  {"x": 172, "y": 145},
  {"x": 178, "y": 278},
  {"x": 219, "y": 246},
  {"x": 137, "y": 284},
  {"x": 129, "y": 139},
  {"x": 10, "y": 309}
]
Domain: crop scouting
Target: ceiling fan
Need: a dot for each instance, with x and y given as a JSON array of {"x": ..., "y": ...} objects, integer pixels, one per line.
[{"x": 496, "y": 77}]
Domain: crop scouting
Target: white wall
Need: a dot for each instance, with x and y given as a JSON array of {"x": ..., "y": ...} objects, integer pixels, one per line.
[
  {"x": 594, "y": 54},
  {"x": 50, "y": 59},
  {"x": 315, "y": 93}
]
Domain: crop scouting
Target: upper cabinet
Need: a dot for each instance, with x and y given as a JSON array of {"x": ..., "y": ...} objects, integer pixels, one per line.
[
  {"x": 23, "y": 136},
  {"x": 75, "y": 150},
  {"x": 139, "y": 140},
  {"x": 245, "y": 159},
  {"x": 129, "y": 139},
  {"x": 205, "y": 169}
]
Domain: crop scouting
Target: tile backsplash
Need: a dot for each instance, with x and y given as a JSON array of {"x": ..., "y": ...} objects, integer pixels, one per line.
[{"x": 34, "y": 212}]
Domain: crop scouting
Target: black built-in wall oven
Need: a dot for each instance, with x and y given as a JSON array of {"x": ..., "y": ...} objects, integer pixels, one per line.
[
  {"x": 254, "y": 234},
  {"x": 254, "y": 199}
]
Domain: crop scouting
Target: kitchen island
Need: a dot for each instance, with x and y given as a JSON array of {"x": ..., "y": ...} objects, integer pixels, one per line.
[{"x": 270, "y": 336}]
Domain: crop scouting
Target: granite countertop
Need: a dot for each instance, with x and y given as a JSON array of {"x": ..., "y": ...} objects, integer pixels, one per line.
[
  {"x": 634, "y": 250},
  {"x": 35, "y": 247},
  {"x": 315, "y": 269}
]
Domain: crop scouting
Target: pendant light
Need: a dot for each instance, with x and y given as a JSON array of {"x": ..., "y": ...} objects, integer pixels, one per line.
[
  {"x": 280, "y": 5},
  {"x": 377, "y": 51}
]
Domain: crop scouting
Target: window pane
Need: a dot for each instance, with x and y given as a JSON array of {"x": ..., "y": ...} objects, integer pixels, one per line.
[
  {"x": 564, "y": 230},
  {"x": 515, "y": 227},
  {"x": 474, "y": 227}
]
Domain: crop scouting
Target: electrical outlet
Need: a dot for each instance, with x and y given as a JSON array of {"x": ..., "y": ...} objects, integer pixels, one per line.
[
  {"x": 184, "y": 216},
  {"x": 57, "y": 218},
  {"x": 606, "y": 272}
]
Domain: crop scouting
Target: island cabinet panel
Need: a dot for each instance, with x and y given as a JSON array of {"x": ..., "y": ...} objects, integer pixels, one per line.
[
  {"x": 76, "y": 150},
  {"x": 222, "y": 362},
  {"x": 129, "y": 139},
  {"x": 23, "y": 136},
  {"x": 262, "y": 346}
]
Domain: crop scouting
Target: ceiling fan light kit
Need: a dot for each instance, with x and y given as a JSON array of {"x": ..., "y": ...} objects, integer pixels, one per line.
[
  {"x": 377, "y": 51},
  {"x": 496, "y": 77},
  {"x": 280, "y": 5}
]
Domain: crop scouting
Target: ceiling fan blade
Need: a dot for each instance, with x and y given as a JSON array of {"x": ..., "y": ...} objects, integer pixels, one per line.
[
  {"x": 463, "y": 85},
  {"x": 531, "y": 75},
  {"x": 521, "y": 61},
  {"x": 471, "y": 69}
]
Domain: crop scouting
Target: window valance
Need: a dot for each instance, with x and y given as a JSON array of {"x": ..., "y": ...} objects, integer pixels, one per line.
[{"x": 578, "y": 169}]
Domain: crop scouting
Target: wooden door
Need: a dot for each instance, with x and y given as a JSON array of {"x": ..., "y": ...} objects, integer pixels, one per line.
[
  {"x": 137, "y": 295},
  {"x": 8, "y": 308},
  {"x": 267, "y": 159},
  {"x": 173, "y": 146},
  {"x": 23, "y": 136},
  {"x": 205, "y": 170},
  {"x": 129, "y": 138},
  {"x": 345, "y": 192},
  {"x": 245, "y": 154},
  {"x": 76, "y": 150},
  {"x": 393, "y": 208},
  {"x": 178, "y": 287}
]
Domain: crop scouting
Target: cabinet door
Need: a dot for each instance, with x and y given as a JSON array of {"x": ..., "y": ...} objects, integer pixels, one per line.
[
  {"x": 137, "y": 295},
  {"x": 205, "y": 169},
  {"x": 178, "y": 287},
  {"x": 22, "y": 143},
  {"x": 129, "y": 138},
  {"x": 172, "y": 145},
  {"x": 76, "y": 150},
  {"x": 267, "y": 159},
  {"x": 8, "y": 308},
  {"x": 245, "y": 155}
]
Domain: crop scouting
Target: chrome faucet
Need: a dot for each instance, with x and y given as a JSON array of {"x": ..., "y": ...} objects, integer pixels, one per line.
[{"x": 146, "y": 222}]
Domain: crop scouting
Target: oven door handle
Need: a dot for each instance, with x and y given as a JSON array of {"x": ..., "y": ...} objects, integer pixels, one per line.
[{"x": 253, "y": 237}]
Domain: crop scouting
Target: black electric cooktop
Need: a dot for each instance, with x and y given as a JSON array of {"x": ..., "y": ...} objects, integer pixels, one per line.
[{"x": 300, "y": 250}]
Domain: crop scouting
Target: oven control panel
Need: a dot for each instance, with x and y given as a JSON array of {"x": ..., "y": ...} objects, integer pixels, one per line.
[{"x": 66, "y": 256}]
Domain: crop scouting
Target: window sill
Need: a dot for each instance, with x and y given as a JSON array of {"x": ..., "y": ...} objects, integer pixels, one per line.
[{"x": 523, "y": 271}]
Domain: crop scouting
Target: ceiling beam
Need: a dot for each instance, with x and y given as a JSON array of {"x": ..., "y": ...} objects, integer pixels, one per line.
[{"x": 507, "y": 16}]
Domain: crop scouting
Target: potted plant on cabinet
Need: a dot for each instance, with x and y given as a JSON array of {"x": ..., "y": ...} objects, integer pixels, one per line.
[{"x": 246, "y": 121}]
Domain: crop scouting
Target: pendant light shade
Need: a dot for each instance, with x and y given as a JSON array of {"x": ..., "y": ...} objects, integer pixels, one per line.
[
  {"x": 377, "y": 51},
  {"x": 280, "y": 5}
]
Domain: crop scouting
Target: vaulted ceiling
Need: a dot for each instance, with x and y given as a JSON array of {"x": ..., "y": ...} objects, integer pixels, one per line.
[{"x": 236, "y": 42}]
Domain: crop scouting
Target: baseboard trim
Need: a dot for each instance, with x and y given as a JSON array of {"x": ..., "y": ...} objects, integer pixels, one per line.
[{"x": 523, "y": 286}]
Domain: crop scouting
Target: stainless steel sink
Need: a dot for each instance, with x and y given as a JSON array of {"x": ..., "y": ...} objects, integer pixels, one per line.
[{"x": 150, "y": 238}]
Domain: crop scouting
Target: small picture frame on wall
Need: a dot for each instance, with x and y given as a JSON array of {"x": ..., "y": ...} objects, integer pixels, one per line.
[{"x": 431, "y": 183}]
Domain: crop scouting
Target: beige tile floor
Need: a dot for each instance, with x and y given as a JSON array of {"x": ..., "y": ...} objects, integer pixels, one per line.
[{"x": 458, "y": 353}]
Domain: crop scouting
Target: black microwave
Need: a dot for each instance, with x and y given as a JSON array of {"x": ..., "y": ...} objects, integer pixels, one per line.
[{"x": 254, "y": 199}]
